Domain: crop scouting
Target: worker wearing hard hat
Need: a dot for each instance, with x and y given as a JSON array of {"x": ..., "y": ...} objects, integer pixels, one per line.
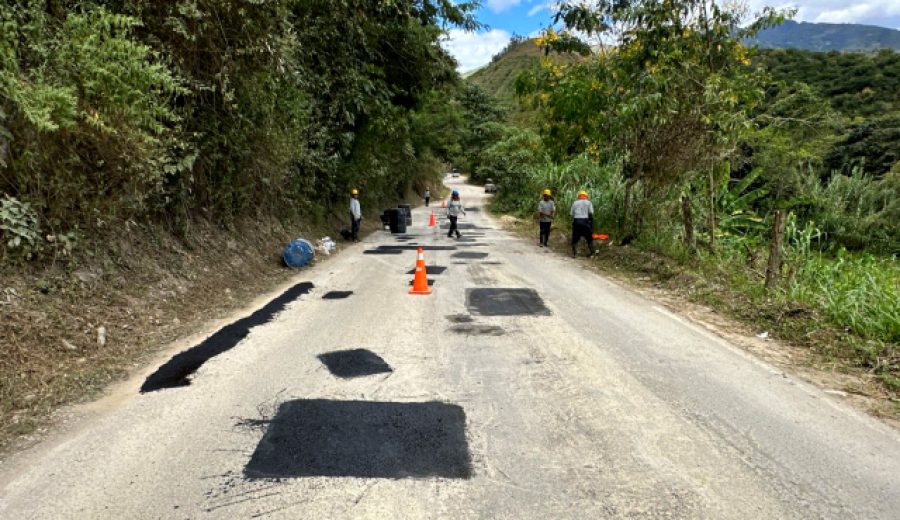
[
  {"x": 355, "y": 214},
  {"x": 454, "y": 210},
  {"x": 546, "y": 211},
  {"x": 582, "y": 222}
]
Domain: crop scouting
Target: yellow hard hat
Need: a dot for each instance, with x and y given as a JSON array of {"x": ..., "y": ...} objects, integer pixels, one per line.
[
  {"x": 582, "y": 194},
  {"x": 354, "y": 191},
  {"x": 547, "y": 192}
]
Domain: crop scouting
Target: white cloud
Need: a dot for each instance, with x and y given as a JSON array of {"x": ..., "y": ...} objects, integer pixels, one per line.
[
  {"x": 885, "y": 13},
  {"x": 472, "y": 50},
  {"x": 498, "y": 6},
  {"x": 543, "y": 6}
]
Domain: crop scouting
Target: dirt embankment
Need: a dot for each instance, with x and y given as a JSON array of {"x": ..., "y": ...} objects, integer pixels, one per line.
[{"x": 69, "y": 329}]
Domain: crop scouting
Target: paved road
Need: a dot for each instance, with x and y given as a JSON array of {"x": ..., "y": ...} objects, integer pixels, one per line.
[{"x": 523, "y": 387}]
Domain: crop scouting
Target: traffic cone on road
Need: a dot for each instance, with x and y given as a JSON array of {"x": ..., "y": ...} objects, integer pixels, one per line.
[
  {"x": 420, "y": 282},
  {"x": 431, "y": 221},
  {"x": 443, "y": 204}
]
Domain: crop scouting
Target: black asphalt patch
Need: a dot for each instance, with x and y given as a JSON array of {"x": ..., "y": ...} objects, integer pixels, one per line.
[
  {"x": 505, "y": 302},
  {"x": 336, "y": 295},
  {"x": 475, "y": 329},
  {"x": 383, "y": 252},
  {"x": 431, "y": 269},
  {"x": 460, "y": 225},
  {"x": 473, "y": 208},
  {"x": 405, "y": 247},
  {"x": 354, "y": 363},
  {"x": 474, "y": 244},
  {"x": 470, "y": 255},
  {"x": 460, "y": 318},
  {"x": 326, "y": 438},
  {"x": 492, "y": 263},
  {"x": 175, "y": 372}
]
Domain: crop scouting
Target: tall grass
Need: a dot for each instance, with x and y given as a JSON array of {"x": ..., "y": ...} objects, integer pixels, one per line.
[
  {"x": 605, "y": 185},
  {"x": 857, "y": 291}
]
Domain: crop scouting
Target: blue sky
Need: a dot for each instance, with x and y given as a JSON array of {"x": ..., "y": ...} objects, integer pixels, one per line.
[{"x": 527, "y": 17}]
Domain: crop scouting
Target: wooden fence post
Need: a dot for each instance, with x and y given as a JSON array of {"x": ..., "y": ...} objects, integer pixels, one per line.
[{"x": 773, "y": 269}]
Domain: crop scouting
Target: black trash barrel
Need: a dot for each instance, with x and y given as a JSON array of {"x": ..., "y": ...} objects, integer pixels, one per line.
[
  {"x": 397, "y": 220},
  {"x": 408, "y": 209}
]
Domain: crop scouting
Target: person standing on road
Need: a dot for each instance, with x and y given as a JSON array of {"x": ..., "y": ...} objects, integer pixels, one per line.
[
  {"x": 355, "y": 214},
  {"x": 427, "y": 196},
  {"x": 546, "y": 209},
  {"x": 454, "y": 209},
  {"x": 582, "y": 223}
]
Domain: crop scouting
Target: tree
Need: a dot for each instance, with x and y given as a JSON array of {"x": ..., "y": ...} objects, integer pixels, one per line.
[{"x": 670, "y": 98}]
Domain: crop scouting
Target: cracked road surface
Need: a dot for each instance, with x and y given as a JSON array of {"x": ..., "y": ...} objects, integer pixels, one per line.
[{"x": 523, "y": 387}]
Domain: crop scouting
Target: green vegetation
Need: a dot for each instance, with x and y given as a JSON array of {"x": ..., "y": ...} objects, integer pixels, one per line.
[
  {"x": 499, "y": 77},
  {"x": 828, "y": 37},
  {"x": 168, "y": 110},
  {"x": 691, "y": 145}
]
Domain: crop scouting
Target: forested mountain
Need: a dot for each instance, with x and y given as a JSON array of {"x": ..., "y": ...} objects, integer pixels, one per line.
[
  {"x": 828, "y": 37},
  {"x": 498, "y": 78}
]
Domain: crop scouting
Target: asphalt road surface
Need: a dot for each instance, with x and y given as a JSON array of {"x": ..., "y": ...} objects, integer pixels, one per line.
[{"x": 523, "y": 387}]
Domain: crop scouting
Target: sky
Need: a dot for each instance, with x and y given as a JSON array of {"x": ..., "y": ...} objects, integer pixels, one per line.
[{"x": 505, "y": 18}]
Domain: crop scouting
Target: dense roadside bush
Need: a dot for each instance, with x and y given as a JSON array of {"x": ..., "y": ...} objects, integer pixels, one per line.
[{"x": 165, "y": 109}]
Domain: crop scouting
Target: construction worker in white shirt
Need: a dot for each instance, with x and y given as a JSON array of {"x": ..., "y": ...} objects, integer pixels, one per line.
[
  {"x": 582, "y": 223},
  {"x": 454, "y": 210},
  {"x": 355, "y": 214},
  {"x": 546, "y": 211}
]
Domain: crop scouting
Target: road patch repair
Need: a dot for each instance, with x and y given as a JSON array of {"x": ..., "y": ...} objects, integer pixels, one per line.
[
  {"x": 328, "y": 438},
  {"x": 460, "y": 318},
  {"x": 336, "y": 295},
  {"x": 505, "y": 302},
  {"x": 430, "y": 269},
  {"x": 406, "y": 247},
  {"x": 383, "y": 251},
  {"x": 470, "y": 255},
  {"x": 175, "y": 372},
  {"x": 357, "y": 362},
  {"x": 477, "y": 329}
]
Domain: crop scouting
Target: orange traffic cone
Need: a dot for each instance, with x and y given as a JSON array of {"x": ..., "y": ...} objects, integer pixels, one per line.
[
  {"x": 443, "y": 204},
  {"x": 420, "y": 282},
  {"x": 431, "y": 221}
]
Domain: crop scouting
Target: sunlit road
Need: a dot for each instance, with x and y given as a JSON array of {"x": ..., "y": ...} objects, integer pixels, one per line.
[{"x": 524, "y": 386}]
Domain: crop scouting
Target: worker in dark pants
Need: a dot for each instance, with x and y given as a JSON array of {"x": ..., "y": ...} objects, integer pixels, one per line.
[
  {"x": 454, "y": 210},
  {"x": 355, "y": 214},
  {"x": 427, "y": 196},
  {"x": 582, "y": 223},
  {"x": 546, "y": 211}
]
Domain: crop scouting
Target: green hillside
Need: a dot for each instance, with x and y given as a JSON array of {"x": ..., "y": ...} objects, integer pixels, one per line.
[
  {"x": 828, "y": 37},
  {"x": 498, "y": 78},
  {"x": 855, "y": 84}
]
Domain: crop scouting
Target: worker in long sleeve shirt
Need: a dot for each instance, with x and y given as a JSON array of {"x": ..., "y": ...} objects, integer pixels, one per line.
[
  {"x": 546, "y": 210},
  {"x": 355, "y": 214},
  {"x": 582, "y": 222},
  {"x": 454, "y": 209}
]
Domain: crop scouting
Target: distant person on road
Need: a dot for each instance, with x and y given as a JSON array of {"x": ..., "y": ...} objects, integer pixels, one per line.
[
  {"x": 454, "y": 209},
  {"x": 427, "y": 196},
  {"x": 546, "y": 210},
  {"x": 355, "y": 214},
  {"x": 582, "y": 223}
]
